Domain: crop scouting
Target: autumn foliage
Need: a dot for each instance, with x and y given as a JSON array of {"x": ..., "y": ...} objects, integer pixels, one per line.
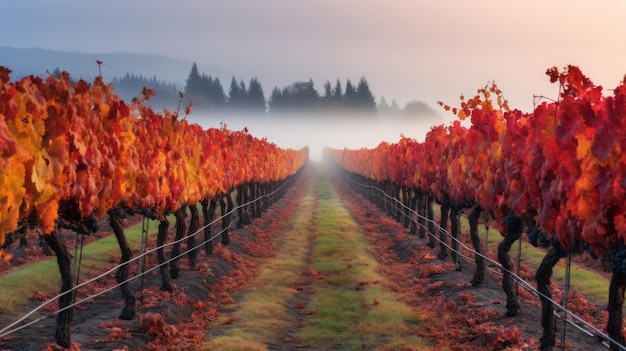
[
  {"x": 564, "y": 163},
  {"x": 75, "y": 148}
]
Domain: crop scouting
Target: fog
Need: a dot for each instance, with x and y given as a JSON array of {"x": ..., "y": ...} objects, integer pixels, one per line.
[{"x": 317, "y": 132}]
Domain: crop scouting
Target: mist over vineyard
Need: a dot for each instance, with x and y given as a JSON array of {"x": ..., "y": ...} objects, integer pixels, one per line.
[{"x": 317, "y": 132}]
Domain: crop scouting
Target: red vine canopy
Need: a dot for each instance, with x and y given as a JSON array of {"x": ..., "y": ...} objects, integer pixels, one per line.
[
  {"x": 78, "y": 145},
  {"x": 564, "y": 163}
]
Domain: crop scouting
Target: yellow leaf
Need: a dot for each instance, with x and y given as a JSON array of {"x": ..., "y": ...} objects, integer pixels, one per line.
[
  {"x": 584, "y": 145},
  {"x": 40, "y": 174}
]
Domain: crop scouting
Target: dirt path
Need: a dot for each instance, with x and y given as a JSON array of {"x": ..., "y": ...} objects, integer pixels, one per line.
[
  {"x": 263, "y": 316},
  {"x": 369, "y": 285},
  {"x": 322, "y": 291},
  {"x": 322, "y": 269}
]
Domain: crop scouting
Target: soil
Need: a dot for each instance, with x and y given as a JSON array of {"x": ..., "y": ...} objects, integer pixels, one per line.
[{"x": 177, "y": 320}]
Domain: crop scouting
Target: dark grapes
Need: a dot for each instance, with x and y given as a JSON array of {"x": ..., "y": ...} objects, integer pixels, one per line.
[
  {"x": 510, "y": 219},
  {"x": 537, "y": 237},
  {"x": 617, "y": 260},
  {"x": 580, "y": 247},
  {"x": 513, "y": 223}
]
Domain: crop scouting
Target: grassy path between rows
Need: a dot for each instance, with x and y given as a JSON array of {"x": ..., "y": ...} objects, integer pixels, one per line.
[
  {"x": 591, "y": 283},
  {"x": 19, "y": 284},
  {"x": 260, "y": 312},
  {"x": 321, "y": 291}
]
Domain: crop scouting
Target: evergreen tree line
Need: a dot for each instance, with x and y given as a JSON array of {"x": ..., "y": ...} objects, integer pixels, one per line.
[
  {"x": 207, "y": 92},
  {"x": 302, "y": 96},
  {"x": 130, "y": 86},
  {"x": 167, "y": 95}
]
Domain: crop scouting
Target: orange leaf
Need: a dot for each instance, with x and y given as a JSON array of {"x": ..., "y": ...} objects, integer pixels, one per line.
[
  {"x": 229, "y": 320},
  {"x": 5, "y": 256}
]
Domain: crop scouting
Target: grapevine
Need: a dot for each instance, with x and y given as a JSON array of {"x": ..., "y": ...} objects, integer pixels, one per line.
[
  {"x": 560, "y": 168},
  {"x": 72, "y": 152}
]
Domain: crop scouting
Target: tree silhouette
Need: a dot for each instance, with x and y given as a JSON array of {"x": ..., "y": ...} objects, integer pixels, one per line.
[
  {"x": 420, "y": 109},
  {"x": 236, "y": 94},
  {"x": 299, "y": 96},
  {"x": 328, "y": 91},
  {"x": 338, "y": 92},
  {"x": 349, "y": 96},
  {"x": 364, "y": 100},
  {"x": 193, "y": 84},
  {"x": 130, "y": 86},
  {"x": 205, "y": 92},
  {"x": 255, "y": 96}
]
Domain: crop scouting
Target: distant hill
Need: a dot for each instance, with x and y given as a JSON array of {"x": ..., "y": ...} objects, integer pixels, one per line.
[{"x": 26, "y": 61}]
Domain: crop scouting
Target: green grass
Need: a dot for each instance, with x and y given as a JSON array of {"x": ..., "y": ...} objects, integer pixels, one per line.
[
  {"x": 345, "y": 317},
  {"x": 259, "y": 313},
  {"x": 593, "y": 285},
  {"x": 19, "y": 284}
]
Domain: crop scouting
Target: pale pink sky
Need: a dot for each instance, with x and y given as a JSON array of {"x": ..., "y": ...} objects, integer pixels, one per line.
[
  {"x": 407, "y": 49},
  {"x": 426, "y": 50}
]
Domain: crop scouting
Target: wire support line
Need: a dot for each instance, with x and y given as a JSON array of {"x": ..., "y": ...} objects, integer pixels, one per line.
[
  {"x": 13, "y": 327},
  {"x": 398, "y": 205},
  {"x": 4, "y": 332}
]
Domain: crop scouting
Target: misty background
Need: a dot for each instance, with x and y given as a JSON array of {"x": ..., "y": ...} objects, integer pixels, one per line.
[
  {"x": 318, "y": 132},
  {"x": 423, "y": 51},
  {"x": 338, "y": 114}
]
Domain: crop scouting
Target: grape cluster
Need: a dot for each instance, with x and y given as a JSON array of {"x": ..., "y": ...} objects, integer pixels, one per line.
[
  {"x": 617, "y": 260},
  {"x": 513, "y": 223},
  {"x": 538, "y": 237},
  {"x": 510, "y": 219},
  {"x": 580, "y": 247}
]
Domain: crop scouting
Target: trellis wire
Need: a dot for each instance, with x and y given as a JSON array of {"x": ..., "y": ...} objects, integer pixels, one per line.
[
  {"x": 12, "y": 328},
  {"x": 565, "y": 312}
]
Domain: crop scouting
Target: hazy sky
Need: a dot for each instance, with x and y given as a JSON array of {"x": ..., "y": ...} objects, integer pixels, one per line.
[{"x": 407, "y": 49}]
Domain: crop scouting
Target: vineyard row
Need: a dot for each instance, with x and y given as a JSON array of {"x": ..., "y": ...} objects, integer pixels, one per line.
[
  {"x": 205, "y": 243},
  {"x": 424, "y": 226},
  {"x": 558, "y": 172},
  {"x": 73, "y": 152}
]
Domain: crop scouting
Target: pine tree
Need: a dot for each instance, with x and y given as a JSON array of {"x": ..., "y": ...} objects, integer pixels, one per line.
[
  {"x": 234, "y": 94},
  {"x": 349, "y": 95},
  {"x": 194, "y": 81},
  {"x": 216, "y": 93},
  {"x": 337, "y": 92},
  {"x": 256, "y": 97},
  {"x": 394, "y": 108},
  {"x": 328, "y": 91},
  {"x": 364, "y": 99},
  {"x": 299, "y": 96},
  {"x": 276, "y": 102},
  {"x": 383, "y": 106}
]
